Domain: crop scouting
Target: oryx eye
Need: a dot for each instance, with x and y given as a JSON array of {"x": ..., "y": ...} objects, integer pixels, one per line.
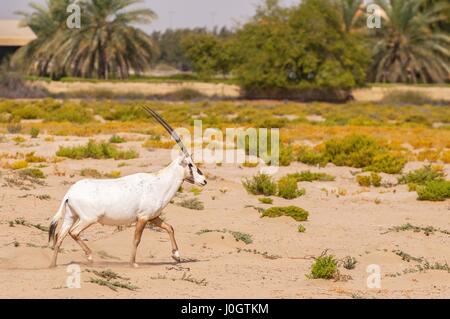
[{"x": 199, "y": 172}]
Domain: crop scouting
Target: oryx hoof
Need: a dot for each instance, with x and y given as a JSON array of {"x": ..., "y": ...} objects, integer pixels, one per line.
[
  {"x": 176, "y": 256},
  {"x": 134, "y": 265},
  {"x": 52, "y": 266},
  {"x": 90, "y": 259}
]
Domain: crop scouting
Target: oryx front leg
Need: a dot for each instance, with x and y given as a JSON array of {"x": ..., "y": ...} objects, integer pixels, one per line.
[
  {"x": 158, "y": 222},
  {"x": 140, "y": 226}
]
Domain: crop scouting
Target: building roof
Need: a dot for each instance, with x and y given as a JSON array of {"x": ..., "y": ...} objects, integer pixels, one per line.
[{"x": 12, "y": 34}]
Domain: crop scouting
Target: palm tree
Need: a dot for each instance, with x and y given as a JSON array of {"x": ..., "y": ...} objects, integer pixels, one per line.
[
  {"x": 410, "y": 48},
  {"x": 46, "y": 21},
  {"x": 107, "y": 45},
  {"x": 351, "y": 12}
]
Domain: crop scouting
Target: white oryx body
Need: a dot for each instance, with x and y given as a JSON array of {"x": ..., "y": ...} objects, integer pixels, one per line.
[
  {"x": 138, "y": 198},
  {"x": 124, "y": 200}
]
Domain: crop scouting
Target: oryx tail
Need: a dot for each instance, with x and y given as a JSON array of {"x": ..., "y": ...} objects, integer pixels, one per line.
[{"x": 55, "y": 221}]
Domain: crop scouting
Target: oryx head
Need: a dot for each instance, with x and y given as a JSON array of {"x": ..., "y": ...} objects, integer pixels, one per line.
[{"x": 191, "y": 172}]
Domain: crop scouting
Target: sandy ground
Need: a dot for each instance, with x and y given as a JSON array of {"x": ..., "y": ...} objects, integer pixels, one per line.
[
  {"x": 350, "y": 225},
  {"x": 372, "y": 94},
  {"x": 207, "y": 89}
]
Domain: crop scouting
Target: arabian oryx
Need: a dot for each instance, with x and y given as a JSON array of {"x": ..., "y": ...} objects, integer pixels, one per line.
[{"x": 138, "y": 198}]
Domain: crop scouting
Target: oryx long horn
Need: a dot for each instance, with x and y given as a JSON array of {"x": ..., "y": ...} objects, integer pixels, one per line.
[{"x": 168, "y": 128}]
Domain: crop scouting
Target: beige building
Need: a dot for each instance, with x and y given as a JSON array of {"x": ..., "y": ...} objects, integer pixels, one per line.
[{"x": 13, "y": 36}]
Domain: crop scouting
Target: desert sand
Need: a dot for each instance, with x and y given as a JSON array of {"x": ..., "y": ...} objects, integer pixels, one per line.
[
  {"x": 371, "y": 94},
  {"x": 214, "y": 264}
]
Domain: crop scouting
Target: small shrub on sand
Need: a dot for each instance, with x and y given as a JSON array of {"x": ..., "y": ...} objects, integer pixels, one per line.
[
  {"x": 349, "y": 262},
  {"x": 33, "y": 173},
  {"x": 363, "y": 180},
  {"x": 249, "y": 164},
  {"x": 407, "y": 98},
  {"x": 288, "y": 189},
  {"x": 438, "y": 190},
  {"x": 266, "y": 200},
  {"x": 155, "y": 143},
  {"x": 116, "y": 139},
  {"x": 445, "y": 157},
  {"x": 297, "y": 213},
  {"x": 113, "y": 174},
  {"x": 309, "y": 156},
  {"x": 192, "y": 203},
  {"x": 324, "y": 267},
  {"x": 19, "y": 139},
  {"x": 20, "y": 164},
  {"x": 301, "y": 229},
  {"x": 34, "y": 132},
  {"x": 422, "y": 175},
  {"x": 90, "y": 172},
  {"x": 387, "y": 163},
  {"x": 358, "y": 151},
  {"x": 373, "y": 179},
  {"x": 286, "y": 156},
  {"x": 14, "y": 128},
  {"x": 260, "y": 184},
  {"x": 32, "y": 158},
  {"x": 96, "y": 150},
  {"x": 244, "y": 237},
  {"x": 308, "y": 176}
]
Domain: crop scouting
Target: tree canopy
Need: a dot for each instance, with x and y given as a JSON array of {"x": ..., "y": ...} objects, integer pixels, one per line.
[{"x": 106, "y": 45}]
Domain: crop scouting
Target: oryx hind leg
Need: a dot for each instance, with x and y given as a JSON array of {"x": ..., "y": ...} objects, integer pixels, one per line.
[
  {"x": 169, "y": 229},
  {"x": 75, "y": 232}
]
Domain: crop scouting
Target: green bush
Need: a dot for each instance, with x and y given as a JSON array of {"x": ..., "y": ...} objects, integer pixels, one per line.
[
  {"x": 33, "y": 172},
  {"x": 260, "y": 184},
  {"x": 90, "y": 172},
  {"x": 96, "y": 150},
  {"x": 387, "y": 163},
  {"x": 297, "y": 213},
  {"x": 308, "y": 176},
  {"x": 14, "y": 127},
  {"x": 363, "y": 180},
  {"x": 266, "y": 200},
  {"x": 438, "y": 190},
  {"x": 116, "y": 139},
  {"x": 301, "y": 229},
  {"x": 358, "y": 151},
  {"x": 192, "y": 203},
  {"x": 288, "y": 189},
  {"x": 407, "y": 98},
  {"x": 362, "y": 151},
  {"x": 373, "y": 179},
  {"x": 286, "y": 156},
  {"x": 324, "y": 267},
  {"x": 308, "y": 156},
  {"x": 354, "y": 151},
  {"x": 422, "y": 175},
  {"x": 34, "y": 132}
]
